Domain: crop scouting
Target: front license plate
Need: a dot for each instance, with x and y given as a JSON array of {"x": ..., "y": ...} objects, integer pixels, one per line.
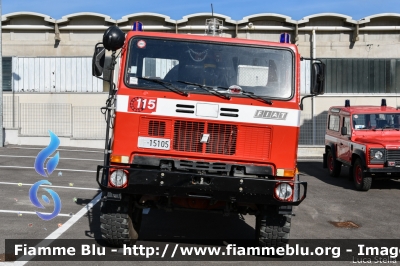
[{"x": 154, "y": 143}]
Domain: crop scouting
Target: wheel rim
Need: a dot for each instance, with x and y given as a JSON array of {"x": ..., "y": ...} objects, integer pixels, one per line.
[
  {"x": 330, "y": 163},
  {"x": 358, "y": 174}
]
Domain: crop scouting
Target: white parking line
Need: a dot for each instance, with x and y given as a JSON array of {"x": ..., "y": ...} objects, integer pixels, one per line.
[
  {"x": 57, "y": 233},
  {"x": 26, "y": 212},
  {"x": 24, "y": 184},
  {"x": 67, "y": 170},
  {"x": 26, "y": 148},
  {"x": 62, "y": 158}
]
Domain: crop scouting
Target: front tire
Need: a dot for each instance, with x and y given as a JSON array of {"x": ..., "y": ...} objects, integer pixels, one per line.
[
  {"x": 334, "y": 166},
  {"x": 120, "y": 222},
  {"x": 362, "y": 182},
  {"x": 273, "y": 229}
]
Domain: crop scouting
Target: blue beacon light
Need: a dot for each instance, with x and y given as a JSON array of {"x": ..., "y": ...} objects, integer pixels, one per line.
[
  {"x": 285, "y": 37},
  {"x": 137, "y": 26}
]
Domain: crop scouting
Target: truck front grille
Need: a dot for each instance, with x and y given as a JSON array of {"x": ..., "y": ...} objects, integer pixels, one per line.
[
  {"x": 155, "y": 128},
  {"x": 187, "y": 136},
  {"x": 255, "y": 142},
  {"x": 222, "y": 139},
  {"x": 393, "y": 155}
]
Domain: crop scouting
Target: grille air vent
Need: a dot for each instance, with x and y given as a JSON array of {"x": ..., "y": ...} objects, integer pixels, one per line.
[
  {"x": 229, "y": 112},
  {"x": 156, "y": 128},
  {"x": 184, "y": 108},
  {"x": 222, "y": 139},
  {"x": 187, "y": 136}
]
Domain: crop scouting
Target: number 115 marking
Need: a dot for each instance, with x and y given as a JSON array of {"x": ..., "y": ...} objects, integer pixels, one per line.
[{"x": 143, "y": 105}]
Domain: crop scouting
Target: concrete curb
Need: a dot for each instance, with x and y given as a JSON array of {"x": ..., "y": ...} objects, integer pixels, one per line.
[{"x": 310, "y": 152}]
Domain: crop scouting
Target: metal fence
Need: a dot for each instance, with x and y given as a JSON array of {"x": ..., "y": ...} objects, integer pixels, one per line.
[
  {"x": 65, "y": 120},
  {"x": 10, "y": 111},
  {"x": 87, "y": 122},
  {"x": 37, "y": 118},
  {"x": 312, "y": 129}
]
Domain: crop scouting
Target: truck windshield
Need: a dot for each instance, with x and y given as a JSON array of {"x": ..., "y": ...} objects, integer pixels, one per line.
[
  {"x": 264, "y": 71},
  {"x": 376, "y": 121}
]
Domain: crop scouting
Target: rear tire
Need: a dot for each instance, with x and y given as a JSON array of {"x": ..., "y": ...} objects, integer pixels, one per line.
[
  {"x": 120, "y": 222},
  {"x": 362, "y": 182},
  {"x": 273, "y": 229},
  {"x": 334, "y": 166}
]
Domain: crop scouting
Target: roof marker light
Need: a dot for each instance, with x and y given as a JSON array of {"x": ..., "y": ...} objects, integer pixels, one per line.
[
  {"x": 137, "y": 26},
  {"x": 347, "y": 103},
  {"x": 383, "y": 103},
  {"x": 285, "y": 37}
]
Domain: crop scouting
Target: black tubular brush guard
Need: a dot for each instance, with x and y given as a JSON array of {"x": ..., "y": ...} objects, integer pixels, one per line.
[{"x": 217, "y": 187}]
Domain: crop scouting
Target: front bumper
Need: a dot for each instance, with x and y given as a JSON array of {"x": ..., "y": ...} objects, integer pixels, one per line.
[
  {"x": 190, "y": 185},
  {"x": 385, "y": 172}
]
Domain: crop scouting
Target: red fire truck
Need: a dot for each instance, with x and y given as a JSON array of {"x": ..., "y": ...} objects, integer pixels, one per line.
[{"x": 201, "y": 123}]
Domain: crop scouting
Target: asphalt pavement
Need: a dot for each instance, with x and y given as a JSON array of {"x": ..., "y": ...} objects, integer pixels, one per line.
[{"x": 330, "y": 201}]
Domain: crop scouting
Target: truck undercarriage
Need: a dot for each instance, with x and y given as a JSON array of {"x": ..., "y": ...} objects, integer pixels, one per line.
[{"x": 192, "y": 191}]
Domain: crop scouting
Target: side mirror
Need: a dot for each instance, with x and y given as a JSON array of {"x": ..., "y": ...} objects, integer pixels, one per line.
[
  {"x": 98, "y": 61},
  {"x": 318, "y": 78},
  {"x": 344, "y": 131}
]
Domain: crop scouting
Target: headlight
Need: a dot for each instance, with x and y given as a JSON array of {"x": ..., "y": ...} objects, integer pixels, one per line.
[
  {"x": 378, "y": 155},
  {"x": 118, "y": 178},
  {"x": 283, "y": 191}
]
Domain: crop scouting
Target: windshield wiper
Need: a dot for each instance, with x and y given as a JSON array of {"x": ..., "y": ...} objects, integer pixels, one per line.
[
  {"x": 207, "y": 88},
  {"x": 251, "y": 95},
  {"x": 166, "y": 85}
]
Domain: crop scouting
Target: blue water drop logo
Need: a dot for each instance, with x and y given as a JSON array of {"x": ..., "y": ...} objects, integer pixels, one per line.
[
  {"x": 45, "y": 153},
  {"x": 40, "y": 169},
  {"x": 35, "y": 201}
]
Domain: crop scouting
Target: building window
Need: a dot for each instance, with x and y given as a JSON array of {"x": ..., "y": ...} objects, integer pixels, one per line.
[{"x": 7, "y": 73}]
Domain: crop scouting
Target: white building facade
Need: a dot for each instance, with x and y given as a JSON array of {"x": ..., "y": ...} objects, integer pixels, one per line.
[{"x": 47, "y": 81}]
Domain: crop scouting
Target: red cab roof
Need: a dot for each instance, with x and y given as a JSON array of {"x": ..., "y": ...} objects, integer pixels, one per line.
[
  {"x": 363, "y": 109},
  {"x": 131, "y": 34}
]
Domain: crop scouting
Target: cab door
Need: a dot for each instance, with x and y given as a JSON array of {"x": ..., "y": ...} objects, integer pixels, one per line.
[{"x": 344, "y": 140}]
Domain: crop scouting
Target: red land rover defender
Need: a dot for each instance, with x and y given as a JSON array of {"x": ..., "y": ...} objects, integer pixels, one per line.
[{"x": 365, "y": 138}]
